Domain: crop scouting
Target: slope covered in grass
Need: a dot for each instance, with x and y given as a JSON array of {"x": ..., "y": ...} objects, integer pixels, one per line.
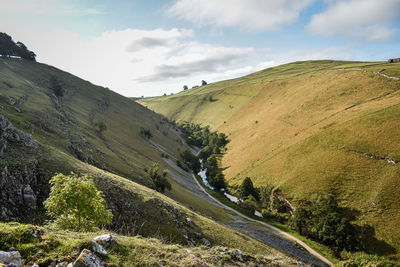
[
  {"x": 68, "y": 122},
  {"x": 52, "y": 245},
  {"x": 311, "y": 127},
  {"x": 42, "y": 133}
]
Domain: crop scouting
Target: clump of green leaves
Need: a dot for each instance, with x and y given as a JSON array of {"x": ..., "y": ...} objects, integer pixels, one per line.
[
  {"x": 145, "y": 133},
  {"x": 76, "y": 204},
  {"x": 191, "y": 160},
  {"x": 158, "y": 178}
]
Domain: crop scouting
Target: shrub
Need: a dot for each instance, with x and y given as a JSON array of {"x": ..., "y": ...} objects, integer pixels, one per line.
[
  {"x": 265, "y": 195},
  {"x": 159, "y": 180},
  {"x": 100, "y": 126},
  {"x": 181, "y": 165},
  {"x": 55, "y": 85},
  {"x": 76, "y": 203},
  {"x": 145, "y": 133},
  {"x": 251, "y": 203},
  {"x": 267, "y": 214}
]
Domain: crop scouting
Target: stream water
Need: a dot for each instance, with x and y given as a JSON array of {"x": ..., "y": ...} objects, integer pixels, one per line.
[{"x": 234, "y": 199}]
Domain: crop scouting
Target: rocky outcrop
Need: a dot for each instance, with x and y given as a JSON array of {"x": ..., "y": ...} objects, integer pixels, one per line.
[
  {"x": 11, "y": 259},
  {"x": 18, "y": 175},
  {"x": 88, "y": 259},
  {"x": 99, "y": 243}
]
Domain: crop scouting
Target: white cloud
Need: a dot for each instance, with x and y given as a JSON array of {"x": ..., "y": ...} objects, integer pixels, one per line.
[
  {"x": 196, "y": 58},
  {"x": 249, "y": 14},
  {"x": 139, "y": 62},
  {"x": 368, "y": 20}
]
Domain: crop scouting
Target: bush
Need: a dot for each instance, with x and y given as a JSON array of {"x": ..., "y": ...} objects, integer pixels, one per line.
[
  {"x": 159, "y": 180},
  {"x": 181, "y": 165},
  {"x": 100, "y": 126},
  {"x": 251, "y": 203},
  {"x": 76, "y": 203},
  {"x": 267, "y": 214},
  {"x": 145, "y": 133},
  {"x": 55, "y": 85},
  {"x": 265, "y": 195}
]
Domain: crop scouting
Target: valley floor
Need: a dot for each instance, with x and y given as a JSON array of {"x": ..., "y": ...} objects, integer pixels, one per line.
[{"x": 241, "y": 223}]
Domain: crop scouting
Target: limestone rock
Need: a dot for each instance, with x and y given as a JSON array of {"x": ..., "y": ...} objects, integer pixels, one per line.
[
  {"x": 206, "y": 242},
  {"x": 97, "y": 248},
  {"x": 29, "y": 197},
  {"x": 11, "y": 259},
  {"x": 88, "y": 259},
  {"x": 105, "y": 240},
  {"x": 101, "y": 242}
]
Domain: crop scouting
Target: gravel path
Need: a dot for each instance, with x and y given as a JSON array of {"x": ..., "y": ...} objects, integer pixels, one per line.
[
  {"x": 185, "y": 179},
  {"x": 260, "y": 231},
  {"x": 275, "y": 240}
]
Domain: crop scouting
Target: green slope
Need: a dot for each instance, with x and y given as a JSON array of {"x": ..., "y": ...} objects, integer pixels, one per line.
[
  {"x": 310, "y": 127},
  {"x": 65, "y": 138}
]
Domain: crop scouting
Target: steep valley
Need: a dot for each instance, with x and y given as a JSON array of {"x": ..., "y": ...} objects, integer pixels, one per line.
[
  {"x": 308, "y": 128},
  {"x": 43, "y": 133}
]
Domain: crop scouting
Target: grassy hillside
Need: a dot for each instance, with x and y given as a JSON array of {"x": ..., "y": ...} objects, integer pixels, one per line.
[
  {"x": 65, "y": 138},
  {"x": 68, "y": 122},
  {"x": 53, "y": 245},
  {"x": 227, "y": 97},
  {"x": 310, "y": 127}
]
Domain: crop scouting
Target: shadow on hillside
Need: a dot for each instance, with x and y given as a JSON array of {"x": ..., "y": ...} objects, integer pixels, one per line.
[
  {"x": 366, "y": 236},
  {"x": 370, "y": 244}
]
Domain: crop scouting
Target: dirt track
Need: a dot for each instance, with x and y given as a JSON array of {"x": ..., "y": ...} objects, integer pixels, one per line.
[{"x": 261, "y": 231}]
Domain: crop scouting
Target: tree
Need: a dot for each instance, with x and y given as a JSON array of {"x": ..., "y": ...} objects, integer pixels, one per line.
[
  {"x": 25, "y": 53},
  {"x": 212, "y": 166},
  {"x": 218, "y": 182},
  {"x": 7, "y": 45},
  {"x": 76, "y": 203},
  {"x": 322, "y": 219},
  {"x": 246, "y": 188},
  {"x": 159, "y": 179},
  {"x": 185, "y": 87},
  {"x": 9, "y": 48},
  {"x": 191, "y": 160},
  {"x": 203, "y": 82}
]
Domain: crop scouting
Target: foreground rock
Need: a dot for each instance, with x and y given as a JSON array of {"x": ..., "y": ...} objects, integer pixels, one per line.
[
  {"x": 10, "y": 259},
  {"x": 101, "y": 242},
  {"x": 88, "y": 259}
]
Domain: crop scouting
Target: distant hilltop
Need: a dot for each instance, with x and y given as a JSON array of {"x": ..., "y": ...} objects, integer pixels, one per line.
[{"x": 394, "y": 60}]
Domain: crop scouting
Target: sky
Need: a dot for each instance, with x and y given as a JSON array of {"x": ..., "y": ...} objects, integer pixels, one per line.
[{"x": 151, "y": 47}]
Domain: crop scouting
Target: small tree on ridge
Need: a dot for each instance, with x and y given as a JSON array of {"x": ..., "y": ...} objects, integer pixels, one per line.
[{"x": 76, "y": 203}]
